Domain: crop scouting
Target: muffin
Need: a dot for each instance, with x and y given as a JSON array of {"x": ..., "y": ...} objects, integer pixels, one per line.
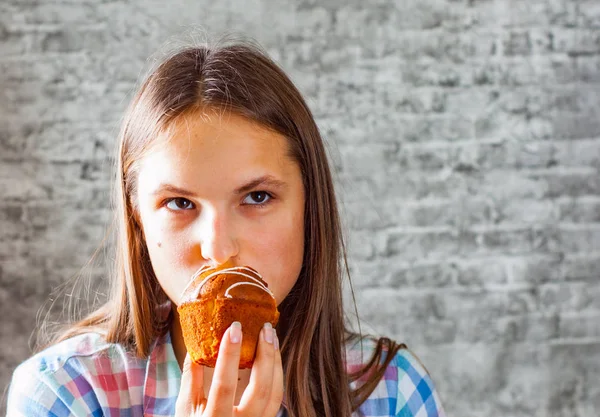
[{"x": 215, "y": 298}]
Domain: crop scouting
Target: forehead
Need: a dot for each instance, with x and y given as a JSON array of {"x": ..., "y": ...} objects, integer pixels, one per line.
[{"x": 200, "y": 144}]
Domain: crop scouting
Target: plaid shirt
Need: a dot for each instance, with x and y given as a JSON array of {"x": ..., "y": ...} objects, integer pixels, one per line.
[{"x": 85, "y": 376}]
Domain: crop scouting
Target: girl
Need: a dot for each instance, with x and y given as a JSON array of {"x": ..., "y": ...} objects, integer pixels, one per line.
[{"x": 219, "y": 161}]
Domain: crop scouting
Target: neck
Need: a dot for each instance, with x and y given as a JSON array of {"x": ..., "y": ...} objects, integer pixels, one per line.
[{"x": 180, "y": 352}]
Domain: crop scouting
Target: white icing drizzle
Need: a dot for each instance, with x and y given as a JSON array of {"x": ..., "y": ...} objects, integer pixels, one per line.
[
  {"x": 262, "y": 287},
  {"x": 238, "y": 270},
  {"x": 193, "y": 278}
]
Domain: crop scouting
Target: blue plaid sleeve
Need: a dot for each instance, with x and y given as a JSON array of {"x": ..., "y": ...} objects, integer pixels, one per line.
[
  {"x": 30, "y": 396},
  {"x": 417, "y": 396},
  {"x": 406, "y": 389}
]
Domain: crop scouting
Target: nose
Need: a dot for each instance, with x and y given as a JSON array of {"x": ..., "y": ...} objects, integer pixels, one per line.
[{"x": 217, "y": 238}]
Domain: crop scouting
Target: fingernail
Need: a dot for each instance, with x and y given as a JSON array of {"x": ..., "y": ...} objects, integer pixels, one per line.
[
  {"x": 268, "y": 332},
  {"x": 276, "y": 341},
  {"x": 235, "y": 332}
]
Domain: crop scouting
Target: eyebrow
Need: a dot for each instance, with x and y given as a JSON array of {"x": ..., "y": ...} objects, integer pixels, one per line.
[{"x": 265, "y": 180}]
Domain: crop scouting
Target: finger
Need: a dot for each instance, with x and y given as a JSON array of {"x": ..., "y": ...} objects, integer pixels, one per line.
[
  {"x": 277, "y": 391},
  {"x": 222, "y": 388},
  {"x": 191, "y": 392},
  {"x": 258, "y": 392}
]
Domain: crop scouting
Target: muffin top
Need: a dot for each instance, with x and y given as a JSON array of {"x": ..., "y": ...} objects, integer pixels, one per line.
[{"x": 242, "y": 282}]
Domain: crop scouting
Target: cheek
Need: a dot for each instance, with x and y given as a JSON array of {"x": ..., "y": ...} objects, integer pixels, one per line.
[
  {"x": 172, "y": 256},
  {"x": 280, "y": 255}
]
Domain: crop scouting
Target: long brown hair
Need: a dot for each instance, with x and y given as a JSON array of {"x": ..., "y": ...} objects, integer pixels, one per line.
[{"x": 240, "y": 78}]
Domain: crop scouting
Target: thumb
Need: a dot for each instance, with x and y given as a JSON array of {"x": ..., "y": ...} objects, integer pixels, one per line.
[{"x": 191, "y": 392}]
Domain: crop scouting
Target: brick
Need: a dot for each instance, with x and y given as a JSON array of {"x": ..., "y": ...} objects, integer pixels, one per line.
[
  {"x": 528, "y": 211},
  {"x": 589, "y": 13},
  {"x": 14, "y": 43},
  {"x": 505, "y": 241},
  {"x": 363, "y": 22},
  {"x": 364, "y": 159},
  {"x": 73, "y": 14},
  {"x": 514, "y": 154},
  {"x": 572, "y": 297},
  {"x": 426, "y": 128},
  {"x": 573, "y": 42},
  {"x": 421, "y": 275},
  {"x": 527, "y": 361},
  {"x": 26, "y": 188},
  {"x": 394, "y": 303},
  {"x": 521, "y": 14},
  {"x": 438, "y": 332},
  {"x": 513, "y": 240},
  {"x": 495, "y": 364},
  {"x": 39, "y": 39},
  {"x": 428, "y": 73},
  {"x": 579, "y": 210},
  {"x": 539, "y": 100},
  {"x": 410, "y": 185},
  {"x": 13, "y": 139},
  {"x": 365, "y": 215},
  {"x": 40, "y": 182},
  {"x": 534, "y": 269},
  {"x": 567, "y": 183},
  {"x": 481, "y": 272},
  {"x": 367, "y": 273},
  {"x": 361, "y": 245},
  {"x": 12, "y": 223},
  {"x": 385, "y": 92},
  {"x": 70, "y": 68},
  {"x": 391, "y": 212},
  {"x": 424, "y": 158},
  {"x": 578, "y": 238},
  {"x": 572, "y": 98},
  {"x": 469, "y": 100},
  {"x": 569, "y": 125},
  {"x": 563, "y": 13},
  {"x": 76, "y": 108},
  {"x": 581, "y": 267},
  {"x": 530, "y": 328},
  {"x": 64, "y": 142},
  {"x": 421, "y": 245},
  {"x": 578, "y": 153},
  {"x": 587, "y": 68},
  {"x": 533, "y": 70},
  {"x": 496, "y": 317},
  {"x": 579, "y": 326},
  {"x": 439, "y": 44},
  {"x": 516, "y": 42},
  {"x": 425, "y": 214},
  {"x": 573, "y": 366},
  {"x": 495, "y": 124},
  {"x": 474, "y": 211},
  {"x": 414, "y": 15}
]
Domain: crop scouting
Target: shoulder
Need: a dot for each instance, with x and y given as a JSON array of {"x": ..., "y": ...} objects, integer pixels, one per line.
[
  {"x": 65, "y": 378},
  {"x": 406, "y": 388}
]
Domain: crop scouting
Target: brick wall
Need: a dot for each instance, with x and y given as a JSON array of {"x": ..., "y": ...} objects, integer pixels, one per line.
[{"x": 466, "y": 141}]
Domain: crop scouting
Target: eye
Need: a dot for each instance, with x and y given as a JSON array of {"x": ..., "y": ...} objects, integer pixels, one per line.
[
  {"x": 257, "y": 198},
  {"x": 178, "y": 204}
]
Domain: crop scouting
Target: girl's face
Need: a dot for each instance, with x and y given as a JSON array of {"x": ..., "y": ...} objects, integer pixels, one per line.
[{"x": 222, "y": 188}]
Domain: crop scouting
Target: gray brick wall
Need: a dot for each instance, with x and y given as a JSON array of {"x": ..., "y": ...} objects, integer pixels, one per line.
[{"x": 466, "y": 141}]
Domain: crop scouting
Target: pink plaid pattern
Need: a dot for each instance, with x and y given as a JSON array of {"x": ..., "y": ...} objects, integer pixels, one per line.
[{"x": 85, "y": 376}]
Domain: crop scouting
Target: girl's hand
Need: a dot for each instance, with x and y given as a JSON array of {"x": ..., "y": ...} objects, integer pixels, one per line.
[{"x": 263, "y": 395}]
